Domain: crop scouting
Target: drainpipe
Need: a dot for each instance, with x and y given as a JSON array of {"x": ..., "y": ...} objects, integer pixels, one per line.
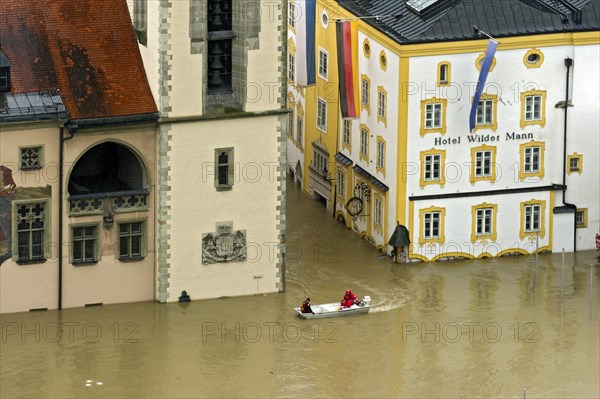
[
  {"x": 568, "y": 64},
  {"x": 72, "y": 127}
]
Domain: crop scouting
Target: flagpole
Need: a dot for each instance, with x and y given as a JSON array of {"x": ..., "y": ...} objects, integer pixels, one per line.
[
  {"x": 477, "y": 31},
  {"x": 377, "y": 17}
]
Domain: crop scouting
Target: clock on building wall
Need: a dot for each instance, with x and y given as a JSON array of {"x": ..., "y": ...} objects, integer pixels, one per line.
[{"x": 354, "y": 206}]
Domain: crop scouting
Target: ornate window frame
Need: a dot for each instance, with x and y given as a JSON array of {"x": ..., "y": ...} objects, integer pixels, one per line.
[
  {"x": 364, "y": 155},
  {"x": 366, "y": 106},
  {"x": 321, "y": 103},
  {"x": 380, "y": 164},
  {"x": 492, "y": 236},
  {"x": 432, "y": 101},
  {"x": 447, "y": 81},
  {"x": 347, "y": 145},
  {"x": 541, "y": 170},
  {"x": 442, "y": 180},
  {"x": 584, "y": 213},
  {"x": 479, "y": 61},
  {"x": 492, "y": 177},
  {"x": 579, "y": 158},
  {"x": 441, "y": 238},
  {"x": 494, "y": 125},
  {"x": 383, "y": 61},
  {"x": 532, "y": 233},
  {"x": 382, "y": 98},
  {"x": 542, "y": 120},
  {"x": 533, "y": 53},
  {"x": 46, "y": 235}
]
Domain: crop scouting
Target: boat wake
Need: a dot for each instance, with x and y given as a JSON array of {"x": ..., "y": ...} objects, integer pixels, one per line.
[{"x": 392, "y": 301}]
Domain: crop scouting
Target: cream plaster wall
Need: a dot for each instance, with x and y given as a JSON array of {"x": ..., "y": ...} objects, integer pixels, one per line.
[
  {"x": 186, "y": 68},
  {"x": 265, "y": 64},
  {"x": 109, "y": 280},
  {"x": 34, "y": 286},
  {"x": 196, "y": 206}
]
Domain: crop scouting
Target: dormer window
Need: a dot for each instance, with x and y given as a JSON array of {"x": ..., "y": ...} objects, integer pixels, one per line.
[
  {"x": 423, "y": 7},
  {"x": 4, "y": 72}
]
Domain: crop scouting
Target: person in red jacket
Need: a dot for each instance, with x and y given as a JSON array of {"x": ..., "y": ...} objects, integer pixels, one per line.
[{"x": 349, "y": 299}]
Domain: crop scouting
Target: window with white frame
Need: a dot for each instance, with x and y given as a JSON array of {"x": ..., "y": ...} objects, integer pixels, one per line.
[
  {"x": 444, "y": 73},
  {"x": 130, "y": 241},
  {"x": 485, "y": 112},
  {"x": 85, "y": 244},
  {"x": 532, "y": 160},
  {"x": 483, "y": 163},
  {"x": 432, "y": 167},
  {"x": 581, "y": 217},
  {"x": 574, "y": 164},
  {"x": 291, "y": 67},
  {"x": 533, "y": 108},
  {"x": 323, "y": 63},
  {"x": 292, "y": 15},
  {"x": 431, "y": 225},
  {"x": 532, "y": 217},
  {"x": 31, "y": 220},
  {"x": 380, "y": 154},
  {"x": 299, "y": 131},
  {"x": 320, "y": 163},
  {"x": 291, "y": 123},
  {"x": 322, "y": 114},
  {"x": 484, "y": 221},
  {"x": 381, "y": 104},
  {"x": 341, "y": 180},
  {"x": 347, "y": 132},
  {"x": 433, "y": 115},
  {"x": 364, "y": 142},
  {"x": 364, "y": 97},
  {"x": 378, "y": 211}
]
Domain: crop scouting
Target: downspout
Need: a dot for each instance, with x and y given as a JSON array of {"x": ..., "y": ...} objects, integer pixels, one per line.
[
  {"x": 60, "y": 205},
  {"x": 334, "y": 177},
  {"x": 568, "y": 64}
]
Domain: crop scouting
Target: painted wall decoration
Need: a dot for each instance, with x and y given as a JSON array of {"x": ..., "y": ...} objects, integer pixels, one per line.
[
  {"x": 7, "y": 190},
  {"x": 225, "y": 245}
]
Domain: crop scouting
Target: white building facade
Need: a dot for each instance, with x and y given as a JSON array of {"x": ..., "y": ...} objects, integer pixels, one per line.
[{"x": 500, "y": 189}]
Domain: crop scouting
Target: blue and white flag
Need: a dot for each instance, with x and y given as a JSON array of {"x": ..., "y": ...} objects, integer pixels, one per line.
[
  {"x": 305, "y": 42},
  {"x": 485, "y": 69}
]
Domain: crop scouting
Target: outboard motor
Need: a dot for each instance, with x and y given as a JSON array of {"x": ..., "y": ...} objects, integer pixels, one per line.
[{"x": 365, "y": 301}]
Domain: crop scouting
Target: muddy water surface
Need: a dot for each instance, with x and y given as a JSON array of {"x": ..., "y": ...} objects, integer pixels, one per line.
[{"x": 481, "y": 329}]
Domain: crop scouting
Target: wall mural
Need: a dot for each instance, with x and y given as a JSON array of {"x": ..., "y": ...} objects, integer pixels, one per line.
[
  {"x": 9, "y": 192},
  {"x": 225, "y": 245}
]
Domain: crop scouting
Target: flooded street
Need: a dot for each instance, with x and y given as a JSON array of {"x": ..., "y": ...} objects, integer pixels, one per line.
[{"x": 487, "y": 328}]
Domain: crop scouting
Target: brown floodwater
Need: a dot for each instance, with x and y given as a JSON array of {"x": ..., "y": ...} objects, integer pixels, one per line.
[{"x": 437, "y": 330}]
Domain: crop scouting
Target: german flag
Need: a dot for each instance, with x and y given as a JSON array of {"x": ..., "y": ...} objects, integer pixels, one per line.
[{"x": 347, "y": 45}]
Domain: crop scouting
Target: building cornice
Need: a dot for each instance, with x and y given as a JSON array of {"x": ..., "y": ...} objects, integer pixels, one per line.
[{"x": 233, "y": 115}]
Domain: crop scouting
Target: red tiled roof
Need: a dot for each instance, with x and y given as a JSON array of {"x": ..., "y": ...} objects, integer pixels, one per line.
[{"x": 86, "y": 48}]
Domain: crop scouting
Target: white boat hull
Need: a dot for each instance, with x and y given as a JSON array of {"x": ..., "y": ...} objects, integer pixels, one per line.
[{"x": 334, "y": 310}]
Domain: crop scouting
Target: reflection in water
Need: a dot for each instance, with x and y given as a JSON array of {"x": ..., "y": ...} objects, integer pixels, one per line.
[{"x": 479, "y": 328}]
